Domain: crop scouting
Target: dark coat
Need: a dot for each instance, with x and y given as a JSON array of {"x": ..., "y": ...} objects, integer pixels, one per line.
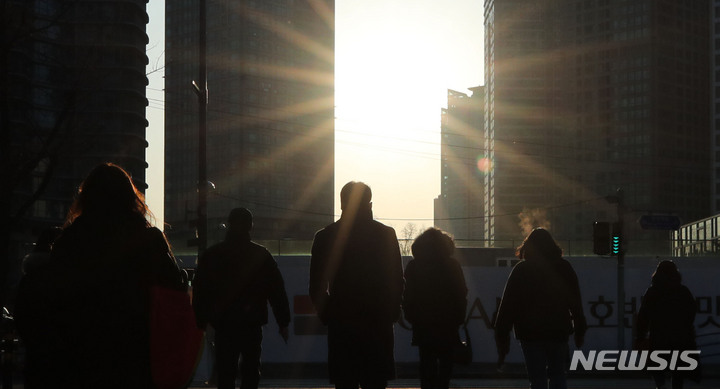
[
  {"x": 541, "y": 301},
  {"x": 435, "y": 301},
  {"x": 667, "y": 316},
  {"x": 356, "y": 285},
  {"x": 233, "y": 284},
  {"x": 356, "y": 273},
  {"x": 84, "y": 315}
]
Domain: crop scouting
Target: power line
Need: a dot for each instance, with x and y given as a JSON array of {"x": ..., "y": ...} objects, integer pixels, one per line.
[
  {"x": 260, "y": 204},
  {"x": 436, "y": 157},
  {"x": 433, "y": 132}
]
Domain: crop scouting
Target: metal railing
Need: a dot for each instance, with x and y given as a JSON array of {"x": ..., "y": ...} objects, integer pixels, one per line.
[{"x": 660, "y": 248}]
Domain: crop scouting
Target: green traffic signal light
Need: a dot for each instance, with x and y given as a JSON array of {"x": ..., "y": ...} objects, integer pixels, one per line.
[
  {"x": 615, "y": 245},
  {"x": 616, "y": 239}
]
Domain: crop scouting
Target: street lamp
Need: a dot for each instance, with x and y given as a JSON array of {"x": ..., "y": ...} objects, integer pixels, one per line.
[{"x": 202, "y": 93}]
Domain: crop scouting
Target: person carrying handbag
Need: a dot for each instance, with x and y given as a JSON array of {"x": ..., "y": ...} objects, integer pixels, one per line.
[
  {"x": 434, "y": 302},
  {"x": 84, "y": 315}
]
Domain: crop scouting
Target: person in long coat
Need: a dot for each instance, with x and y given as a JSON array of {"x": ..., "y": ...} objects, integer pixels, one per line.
[
  {"x": 542, "y": 303},
  {"x": 84, "y": 315},
  {"x": 666, "y": 319},
  {"x": 356, "y": 285},
  {"x": 434, "y": 302}
]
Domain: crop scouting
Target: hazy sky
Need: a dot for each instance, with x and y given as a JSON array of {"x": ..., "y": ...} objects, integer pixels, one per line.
[{"x": 394, "y": 61}]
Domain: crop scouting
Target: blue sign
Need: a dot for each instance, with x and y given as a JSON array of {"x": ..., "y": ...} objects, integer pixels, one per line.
[{"x": 660, "y": 222}]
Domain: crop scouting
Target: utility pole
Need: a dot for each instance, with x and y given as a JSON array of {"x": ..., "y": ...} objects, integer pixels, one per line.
[{"x": 202, "y": 92}]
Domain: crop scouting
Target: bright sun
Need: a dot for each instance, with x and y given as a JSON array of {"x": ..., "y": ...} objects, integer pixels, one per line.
[
  {"x": 392, "y": 77},
  {"x": 394, "y": 61}
]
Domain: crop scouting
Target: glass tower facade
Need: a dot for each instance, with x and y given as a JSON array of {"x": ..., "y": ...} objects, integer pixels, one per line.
[
  {"x": 74, "y": 96},
  {"x": 270, "y": 136},
  {"x": 458, "y": 209},
  {"x": 585, "y": 97}
]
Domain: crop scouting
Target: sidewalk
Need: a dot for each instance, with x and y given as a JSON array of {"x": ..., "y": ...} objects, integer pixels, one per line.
[
  {"x": 476, "y": 375},
  {"x": 510, "y": 383},
  {"x": 288, "y": 376}
]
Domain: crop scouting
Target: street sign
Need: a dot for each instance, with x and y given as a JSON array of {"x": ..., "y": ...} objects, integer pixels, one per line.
[{"x": 660, "y": 222}]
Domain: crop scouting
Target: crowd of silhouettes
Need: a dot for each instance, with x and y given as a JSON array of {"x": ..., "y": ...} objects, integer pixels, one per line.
[{"x": 82, "y": 307}]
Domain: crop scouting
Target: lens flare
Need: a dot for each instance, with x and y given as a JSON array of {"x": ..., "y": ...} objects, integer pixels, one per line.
[{"x": 484, "y": 164}]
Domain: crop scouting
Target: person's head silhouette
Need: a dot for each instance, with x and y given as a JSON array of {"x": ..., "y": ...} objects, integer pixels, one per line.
[
  {"x": 356, "y": 198},
  {"x": 433, "y": 243},
  {"x": 239, "y": 223},
  {"x": 539, "y": 244},
  {"x": 108, "y": 195},
  {"x": 666, "y": 273}
]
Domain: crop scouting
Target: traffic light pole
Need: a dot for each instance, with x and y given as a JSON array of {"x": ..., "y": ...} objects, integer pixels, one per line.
[
  {"x": 616, "y": 249},
  {"x": 621, "y": 269}
]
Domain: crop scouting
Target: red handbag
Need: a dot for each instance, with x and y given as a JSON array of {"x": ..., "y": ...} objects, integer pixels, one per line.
[{"x": 176, "y": 342}]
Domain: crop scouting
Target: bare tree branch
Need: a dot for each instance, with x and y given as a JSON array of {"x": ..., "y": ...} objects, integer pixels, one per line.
[{"x": 156, "y": 68}]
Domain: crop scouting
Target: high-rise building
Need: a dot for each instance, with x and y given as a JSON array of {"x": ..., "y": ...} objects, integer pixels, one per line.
[
  {"x": 270, "y": 131},
  {"x": 73, "y": 81},
  {"x": 72, "y": 75},
  {"x": 458, "y": 209},
  {"x": 585, "y": 97}
]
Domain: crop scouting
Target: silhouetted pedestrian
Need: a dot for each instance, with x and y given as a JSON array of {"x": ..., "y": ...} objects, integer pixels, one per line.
[
  {"x": 84, "y": 315},
  {"x": 434, "y": 303},
  {"x": 40, "y": 255},
  {"x": 542, "y": 303},
  {"x": 666, "y": 319},
  {"x": 234, "y": 282},
  {"x": 356, "y": 285}
]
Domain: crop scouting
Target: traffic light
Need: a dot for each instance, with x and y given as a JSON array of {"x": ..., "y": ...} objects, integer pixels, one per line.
[
  {"x": 601, "y": 238},
  {"x": 616, "y": 239}
]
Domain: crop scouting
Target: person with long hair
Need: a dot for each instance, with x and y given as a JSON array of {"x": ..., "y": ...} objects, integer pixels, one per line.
[
  {"x": 84, "y": 315},
  {"x": 666, "y": 319},
  {"x": 434, "y": 302},
  {"x": 542, "y": 303}
]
